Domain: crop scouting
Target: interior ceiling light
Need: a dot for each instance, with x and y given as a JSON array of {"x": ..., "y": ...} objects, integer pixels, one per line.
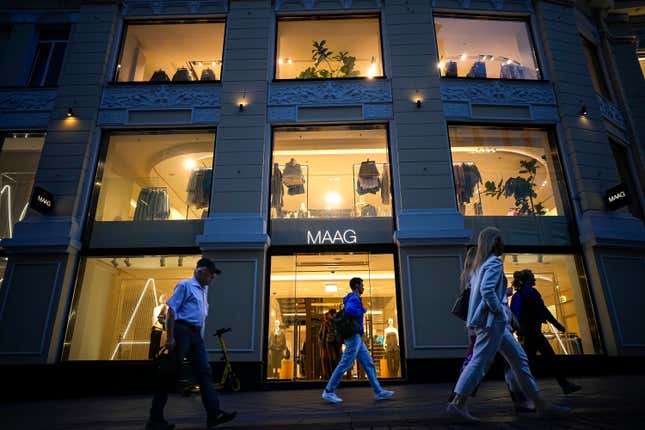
[
  {"x": 190, "y": 164},
  {"x": 331, "y": 288},
  {"x": 333, "y": 199}
]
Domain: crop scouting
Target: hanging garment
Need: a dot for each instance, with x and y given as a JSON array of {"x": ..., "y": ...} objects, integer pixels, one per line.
[
  {"x": 293, "y": 178},
  {"x": 277, "y": 191},
  {"x": 181, "y": 75},
  {"x": 159, "y": 76},
  {"x": 368, "y": 210},
  {"x": 472, "y": 177},
  {"x": 199, "y": 188},
  {"x": 451, "y": 69},
  {"x": 511, "y": 71},
  {"x": 477, "y": 70},
  {"x": 368, "y": 178},
  {"x": 152, "y": 204},
  {"x": 207, "y": 75},
  {"x": 385, "y": 186},
  {"x": 458, "y": 173}
]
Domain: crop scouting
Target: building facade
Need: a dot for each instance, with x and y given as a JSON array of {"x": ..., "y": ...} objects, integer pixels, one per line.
[{"x": 300, "y": 143}]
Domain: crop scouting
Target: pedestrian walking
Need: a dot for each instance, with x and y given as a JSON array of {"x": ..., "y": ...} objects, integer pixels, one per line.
[
  {"x": 529, "y": 309},
  {"x": 355, "y": 348},
  {"x": 489, "y": 318},
  {"x": 186, "y": 315}
]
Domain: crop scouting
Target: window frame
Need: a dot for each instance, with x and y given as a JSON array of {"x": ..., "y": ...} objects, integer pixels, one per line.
[
  {"x": 97, "y": 178},
  {"x": 53, "y": 43},
  {"x": 124, "y": 34},
  {"x": 598, "y": 66},
  {"x": 319, "y": 17},
  {"x": 558, "y": 167},
  {"x": 526, "y": 19}
]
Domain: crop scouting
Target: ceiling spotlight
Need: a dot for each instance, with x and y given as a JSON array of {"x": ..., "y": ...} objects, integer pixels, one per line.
[
  {"x": 162, "y": 261},
  {"x": 127, "y": 262},
  {"x": 540, "y": 258},
  {"x": 115, "y": 263},
  {"x": 180, "y": 261},
  {"x": 515, "y": 258}
]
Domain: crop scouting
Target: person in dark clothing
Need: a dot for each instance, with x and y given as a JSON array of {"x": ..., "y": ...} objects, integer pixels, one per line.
[{"x": 529, "y": 309}]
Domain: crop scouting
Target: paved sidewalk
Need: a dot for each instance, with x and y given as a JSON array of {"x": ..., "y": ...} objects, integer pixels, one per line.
[{"x": 613, "y": 402}]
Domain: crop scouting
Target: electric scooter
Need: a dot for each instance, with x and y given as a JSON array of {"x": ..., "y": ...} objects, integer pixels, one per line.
[{"x": 229, "y": 378}]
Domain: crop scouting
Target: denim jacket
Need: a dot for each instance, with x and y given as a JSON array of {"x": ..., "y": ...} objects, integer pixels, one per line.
[{"x": 487, "y": 292}]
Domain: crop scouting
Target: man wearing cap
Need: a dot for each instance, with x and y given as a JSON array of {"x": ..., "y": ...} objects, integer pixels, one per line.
[{"x": 187, "y": 311}]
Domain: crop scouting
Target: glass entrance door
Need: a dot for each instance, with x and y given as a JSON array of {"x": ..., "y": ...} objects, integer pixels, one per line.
[{"x": 305, "y": 289}]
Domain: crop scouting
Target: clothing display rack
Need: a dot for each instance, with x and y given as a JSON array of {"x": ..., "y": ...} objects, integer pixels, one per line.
[
  {"x": 464, "y": 195},
  {"x": 305, "y": 174},
  {"x": 152, "y": 204},
  {"x": 150, "y": 283},
  {"x": 383, "y": 187}
]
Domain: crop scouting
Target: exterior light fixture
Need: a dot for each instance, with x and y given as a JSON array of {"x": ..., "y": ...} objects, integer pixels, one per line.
[
  {"x": 417, "y": 100},
  {"x": 242, "y": 104},
  {"x": 584, "y": 111},
  {"x": 70, "y": 112}
]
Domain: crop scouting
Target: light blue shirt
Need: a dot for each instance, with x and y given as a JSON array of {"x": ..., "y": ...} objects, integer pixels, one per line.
[{"x": 190, "y": 302}]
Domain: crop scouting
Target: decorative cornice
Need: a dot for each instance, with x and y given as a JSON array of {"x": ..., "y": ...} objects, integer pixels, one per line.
[
  {"x": 26, "y": 100},
  {"x": 311, "y": 4},
  {"x": 565, "y": 3},
  {"x": 157, "y": 7},
  {"x": 166, "y": 96},
  {"x": 497, "y": 92},
  {"x": 321, "y": 93},
  {"x": 610, "y": 112}
]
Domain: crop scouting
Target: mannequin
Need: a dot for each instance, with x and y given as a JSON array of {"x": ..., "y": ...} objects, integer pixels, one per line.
[
  {"x": 391, "y": 344},
  {"x": 158, "y": 326},
  {"x": 277, "y": 350}
]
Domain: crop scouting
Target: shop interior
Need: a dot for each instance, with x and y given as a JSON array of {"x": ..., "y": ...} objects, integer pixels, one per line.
[
  {"x": 485, "y": 48},
  {"x": 156, "y": 176},
  {"x": 118, "y": 304},
  {"x": 172, "y": 52},
  {"x": 19, "y": 157},
  {"x": 560, "y": 285},
  {"x": 331, "y": 172},
  {"x": 351, "y": 48},
  {"x": 518, "y": 162},
  {"x": 303, "y": 288}
]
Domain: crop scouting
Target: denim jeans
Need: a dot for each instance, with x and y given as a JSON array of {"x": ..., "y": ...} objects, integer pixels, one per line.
[
  {"x": 355, "y": 349},
  {"x": 189, "y": 344},
  {"x": 497, "y": 338}
]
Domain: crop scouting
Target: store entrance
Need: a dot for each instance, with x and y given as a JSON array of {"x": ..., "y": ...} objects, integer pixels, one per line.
[{"x": 303, "y": 290}]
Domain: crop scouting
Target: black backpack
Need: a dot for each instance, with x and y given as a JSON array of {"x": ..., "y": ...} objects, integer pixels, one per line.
[{"x": 345, "y": 325}]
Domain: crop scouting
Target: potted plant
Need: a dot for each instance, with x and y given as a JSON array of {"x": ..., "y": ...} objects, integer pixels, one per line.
[
  {"x": 327, "y": 65},
  {"x": 521, "y": 188}
]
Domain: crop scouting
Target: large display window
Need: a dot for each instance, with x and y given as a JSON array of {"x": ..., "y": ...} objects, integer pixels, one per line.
[
  {"x": 117, "y": 303},
  {"x": 485, "y": 48},
  {"x": 502, "y": 171},
  {"x": 327, "y": 48},
  {"x": 303, "y": 290},
  {"x": 331, "y": 172},
  {"x": 156, "y": 176},
  {"x": 560, "y": 280},
  {"x": 171, "y": 52},
  {"x": 19, "y": 156}
]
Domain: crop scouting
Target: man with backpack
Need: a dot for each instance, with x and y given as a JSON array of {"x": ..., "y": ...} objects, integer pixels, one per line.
[{"x": 348, "y": 323}]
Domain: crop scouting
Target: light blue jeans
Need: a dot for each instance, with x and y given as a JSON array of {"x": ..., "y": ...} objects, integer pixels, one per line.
[
  {"x": 355, "y": 349},
  {"x": 489, "y": 341}
]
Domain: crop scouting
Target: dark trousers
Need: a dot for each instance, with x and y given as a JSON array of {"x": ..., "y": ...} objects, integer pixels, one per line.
[
  {"x": 534, "y": 342},
  {"x": 155, "y": 342},
  {"x": 189, "y": 344}
]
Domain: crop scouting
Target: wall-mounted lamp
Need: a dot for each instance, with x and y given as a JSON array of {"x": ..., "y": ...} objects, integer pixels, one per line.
[
  {"x": 584, "y": 111},
  {"x": 417, "y": 100},
  {"x": 70, "y": 112},
  {"x": 242, "y": 104},
  {"x": 241, "y": 107}
]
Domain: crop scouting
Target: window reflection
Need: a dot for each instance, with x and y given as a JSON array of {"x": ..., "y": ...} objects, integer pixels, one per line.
[
  {"x": 485, "y": 48},
  {"x": 328, "y": 48},
  {"x": 156, "y": 176},
  {"x": 504, "y": 172},
  {"x": 171, "y": 52}
]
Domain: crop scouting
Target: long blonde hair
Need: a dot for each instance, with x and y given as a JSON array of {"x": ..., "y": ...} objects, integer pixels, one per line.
[
  {"x": 466, "y": 274},
  {"x": 486, "y": 241}
]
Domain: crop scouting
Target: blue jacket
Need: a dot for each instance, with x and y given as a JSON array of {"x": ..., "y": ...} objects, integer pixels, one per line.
[
  {"x": 487, "y": 292},
  {"x": 354, "y": 308}
]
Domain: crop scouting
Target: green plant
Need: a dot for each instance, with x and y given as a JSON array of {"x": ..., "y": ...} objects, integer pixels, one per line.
[
  {"x": 522, "y": 189},
  {"x": 327, "y": 65}
]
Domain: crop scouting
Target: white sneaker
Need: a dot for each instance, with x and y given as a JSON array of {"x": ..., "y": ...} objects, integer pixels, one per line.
[
  {"x": 463, "y": 414},
  {"x": 384, "y": 394},
  {"x": 331, "y": 397}
]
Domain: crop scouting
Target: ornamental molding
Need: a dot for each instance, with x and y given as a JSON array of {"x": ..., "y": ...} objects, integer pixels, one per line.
[
  {"x": 313, "y": 4},
  {"x": 26, "y": 100},
  {"x": 497, "y": 92},
  {"x": 173, "y": 7},
  {"x": 610, "y": 112},
  {"x": 161, "y": 96},
  {"x": 485, "y": 5},
  {"x": 321, "y": 93}
]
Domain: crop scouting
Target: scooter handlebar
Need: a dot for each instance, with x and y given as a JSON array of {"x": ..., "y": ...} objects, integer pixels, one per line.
[{"x": 221, "y": 331}]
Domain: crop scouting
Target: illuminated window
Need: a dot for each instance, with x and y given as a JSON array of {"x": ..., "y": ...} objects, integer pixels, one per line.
[
  {"x": 171, "y": 52},
  {"x": 117, "y": 303},
  {"x": 19, "y": 156},
  {"x": 561, "y": 282},
  {"x": 641, "y": 62},
  {"x": 156, "y": 176},
  {"x": 330, "y": 172},
  {"x": 304, "y": 287},
  {"x": 324, "y": 48},
  {"x": 504, "y": 172},
  {"x": 485, "y": 48}
]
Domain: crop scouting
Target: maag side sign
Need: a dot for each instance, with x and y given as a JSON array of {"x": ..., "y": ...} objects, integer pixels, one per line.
[
  {"x": 41, "y": 200},
  {"x": 617, "y": 197},
  {"x": 322, "y": 237}
]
